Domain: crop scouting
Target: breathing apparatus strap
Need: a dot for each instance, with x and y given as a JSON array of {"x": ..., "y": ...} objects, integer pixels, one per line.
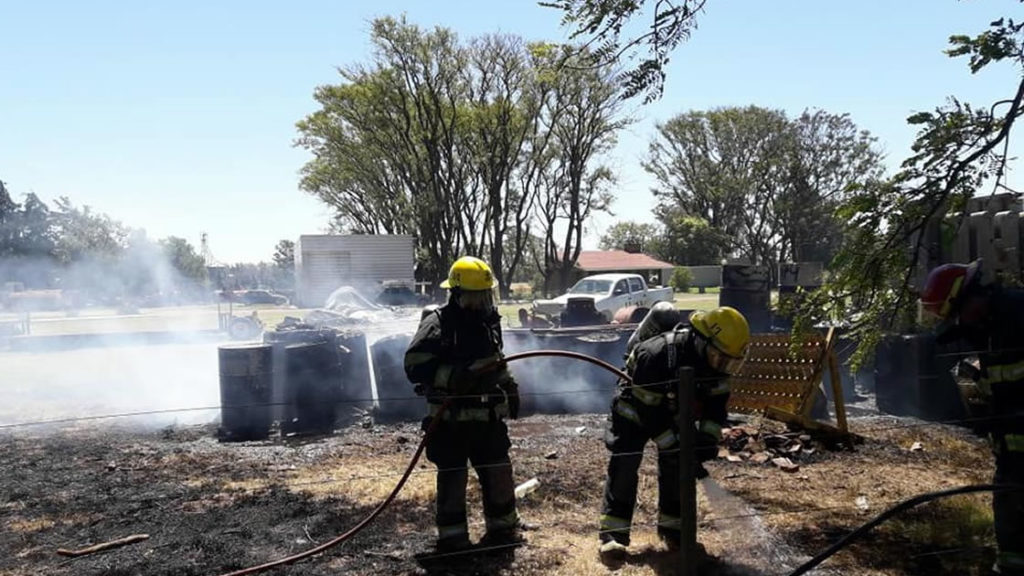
[{"x": 673, "y": 341}]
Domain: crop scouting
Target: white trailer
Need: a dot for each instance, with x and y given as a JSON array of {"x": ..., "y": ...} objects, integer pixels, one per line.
[{"x": 323, "y": 263}]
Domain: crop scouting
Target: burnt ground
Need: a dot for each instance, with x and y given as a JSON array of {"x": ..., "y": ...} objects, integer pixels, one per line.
[{"x": 211, "y": 507}]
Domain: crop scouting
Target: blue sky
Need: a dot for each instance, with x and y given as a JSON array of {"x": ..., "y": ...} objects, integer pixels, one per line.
[{"x": 179, "y": 117}]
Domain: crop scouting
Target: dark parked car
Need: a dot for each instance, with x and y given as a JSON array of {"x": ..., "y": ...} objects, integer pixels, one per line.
[
  {"x": 399, "y": 295},
  {"x": 262, "y": 297}
]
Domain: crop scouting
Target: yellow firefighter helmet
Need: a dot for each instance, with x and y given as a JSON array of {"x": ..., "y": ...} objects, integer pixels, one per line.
[
  {"x": 471, "y": 274},
  {"x": 727, "y": 333}
]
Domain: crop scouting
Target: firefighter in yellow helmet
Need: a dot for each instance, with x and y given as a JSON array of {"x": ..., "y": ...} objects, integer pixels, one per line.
[
  {"x": 455, "y": 358},
  {"x": 714, "y": 344}
]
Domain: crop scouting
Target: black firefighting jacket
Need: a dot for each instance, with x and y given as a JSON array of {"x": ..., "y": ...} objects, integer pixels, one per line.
[
  {"x": 653, "y": 366},
  {"x": 1000, "y": 345},
  {"x": 445, "y": 357}
]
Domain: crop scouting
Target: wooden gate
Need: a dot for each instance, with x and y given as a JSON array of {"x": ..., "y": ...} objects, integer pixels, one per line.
[{"x": 782, "y": 380}]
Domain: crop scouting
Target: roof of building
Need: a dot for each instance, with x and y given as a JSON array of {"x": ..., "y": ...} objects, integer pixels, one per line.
[{"x": 593, "y": 260}]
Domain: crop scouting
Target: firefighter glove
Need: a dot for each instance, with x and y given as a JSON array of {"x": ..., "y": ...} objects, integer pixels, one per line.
[
  {"x": 699, "y": 471},
  {"x": 512, "y": 393},
  {"x": 965, "y": 369}
]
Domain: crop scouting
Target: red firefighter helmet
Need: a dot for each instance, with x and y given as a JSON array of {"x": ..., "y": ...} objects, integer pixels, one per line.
[{"x": 944, "y": 287}]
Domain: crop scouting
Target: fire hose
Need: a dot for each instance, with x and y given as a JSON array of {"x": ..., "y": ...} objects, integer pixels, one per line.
[
  {"x": 905, "y": 505},
  {"x": 412, "y": 465}
]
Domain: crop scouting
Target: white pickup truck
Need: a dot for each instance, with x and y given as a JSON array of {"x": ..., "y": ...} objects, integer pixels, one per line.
[{"x": 610, "y": 292}]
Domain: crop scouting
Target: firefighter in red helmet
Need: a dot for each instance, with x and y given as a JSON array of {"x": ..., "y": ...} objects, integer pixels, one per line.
[{"x": 991, "y": 320}]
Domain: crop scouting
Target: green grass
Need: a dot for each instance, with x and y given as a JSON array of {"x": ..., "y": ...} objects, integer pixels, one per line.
[
  {"x": 271, "y": 317},
  {"x": 963, "y": 521},
  {"x": 185, "y": 318},
  {"x": 690, "y": 301},
  {"x": 683, "y": 301}
]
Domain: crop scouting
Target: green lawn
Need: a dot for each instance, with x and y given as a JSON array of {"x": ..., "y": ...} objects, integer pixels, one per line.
[
  {"x": 179, "y": 318},
  {"x": 683, "y": 301},
  {"x": 693, "y": 301},
  {"x": 189, "y": 318}
]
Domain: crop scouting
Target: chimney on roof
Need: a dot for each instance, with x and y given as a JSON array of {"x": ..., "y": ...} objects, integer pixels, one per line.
[{"x": 633, "y": 246}]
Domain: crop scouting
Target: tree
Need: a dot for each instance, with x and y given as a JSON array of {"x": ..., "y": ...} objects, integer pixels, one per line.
[
  {"x": 622, "y": 234},
  {"x": 958, "y": 151},
  {"x": 600, "y": 25},
  {"x": 584, "y": 115},
  {"x": 473, "y": 148},
  {"x": 284, "y": 255},
  {"x": 28, "y": 235},
  {"x": 681, "y": 279},
  {"x": 767, "y": 185},
  {"x": 689, "y": 240},
  {"x": 8, "y": 219},
  {"x": 284, "y": 265},
  {"x": 34, "y": 229},
  {"x": 832, "y": 157},
  {"x": 184, "y": 259},
  {"x": 81, "y": 233},
  {"x": 390, "y": 145},
  {"x": 504, "y": 105}
]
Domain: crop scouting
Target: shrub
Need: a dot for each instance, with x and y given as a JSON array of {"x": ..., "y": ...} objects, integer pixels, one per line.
[{"x": 681, "y": 279}]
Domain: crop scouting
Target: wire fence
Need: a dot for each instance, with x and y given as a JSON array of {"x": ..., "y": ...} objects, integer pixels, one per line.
[
  {"x": 360, "y": 401},
  {"x": 364, "y": 401}
]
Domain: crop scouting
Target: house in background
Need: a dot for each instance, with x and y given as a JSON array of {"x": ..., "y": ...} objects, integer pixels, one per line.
[
  {"x": 324, "y": 263},
  {"x": 624, "y": 262}
]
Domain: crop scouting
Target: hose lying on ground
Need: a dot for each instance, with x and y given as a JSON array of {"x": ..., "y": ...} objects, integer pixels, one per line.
[
  {"x": 906, "y": 505},
  {"x": 412, "y": 466}
]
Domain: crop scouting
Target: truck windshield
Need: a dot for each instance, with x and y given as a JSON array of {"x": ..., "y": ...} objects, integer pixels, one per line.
[{"x": 591, "y": 287}]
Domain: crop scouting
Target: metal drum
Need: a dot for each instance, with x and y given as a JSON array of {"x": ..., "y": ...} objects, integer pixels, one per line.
[
  {"x": 913, "y": 378},
  {"x": 394, "y": 391},
  {"x": 245, "y": 391},
  {"x": 794, "y": 278},
  {"x": 355, "y": 367},
  {"x": 313, "y": 381},
  {"x": 746, "y": 288}
]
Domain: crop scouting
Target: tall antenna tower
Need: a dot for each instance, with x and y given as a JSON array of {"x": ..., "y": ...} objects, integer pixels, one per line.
[
  {"x": 209, "y": 260},
  {"x": 215, "y": 269}
]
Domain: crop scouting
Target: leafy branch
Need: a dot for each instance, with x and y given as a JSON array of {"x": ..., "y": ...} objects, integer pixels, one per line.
[
  {"x": 957, "y": 150},
  {"x": 602, "y": 24}
]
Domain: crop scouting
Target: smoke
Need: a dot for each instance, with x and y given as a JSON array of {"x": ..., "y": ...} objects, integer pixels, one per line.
[
  {"x": 563, "y": 385},
  {"x": 107, "y": 345},
  {"x": 102, "y": 380},
  {"x": 556, "y": 385},
  {"x": 92, "y": 338}
]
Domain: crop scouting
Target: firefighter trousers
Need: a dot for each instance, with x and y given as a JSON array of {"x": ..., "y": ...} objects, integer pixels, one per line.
[
  {"x": 484, "y": 444},
  {"x": 629, "y": 432},
  {"x": 1008, "y": 507}
]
